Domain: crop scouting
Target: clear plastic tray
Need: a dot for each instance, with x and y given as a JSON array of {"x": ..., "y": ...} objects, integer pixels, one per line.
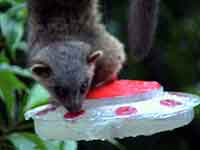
[{"x": 118, "y": 118}]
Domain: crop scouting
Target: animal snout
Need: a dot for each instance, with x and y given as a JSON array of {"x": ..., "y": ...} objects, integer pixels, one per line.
[
  {"x": 73, "y": 104},
  {"x": 71, "y": 100},
  {"x": 73, "y": 107}
]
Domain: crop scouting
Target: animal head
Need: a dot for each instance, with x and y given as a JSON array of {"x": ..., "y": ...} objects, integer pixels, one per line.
[{"x": 66, "y": 71}]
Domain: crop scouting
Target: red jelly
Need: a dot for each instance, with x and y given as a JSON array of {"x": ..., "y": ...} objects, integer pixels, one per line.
[
  {"x": 123, "y": 88},
  {"x": 170, "y": 103},
  {"x": 73, "y": 114},
  {"x": 126, "y": 110}
]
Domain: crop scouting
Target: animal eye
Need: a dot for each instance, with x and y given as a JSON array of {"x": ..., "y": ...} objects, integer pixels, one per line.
[{"x": 84, "y": 87}]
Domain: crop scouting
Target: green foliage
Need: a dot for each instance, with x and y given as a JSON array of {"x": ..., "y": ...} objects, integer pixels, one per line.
[
  {"x": 29, "y": 141},
  {"x": 12, "y": 27},
  {"x": 37, "y": 96}
]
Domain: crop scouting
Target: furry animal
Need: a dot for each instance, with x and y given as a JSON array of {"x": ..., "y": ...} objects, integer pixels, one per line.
[{"x": 70, "y": 50}]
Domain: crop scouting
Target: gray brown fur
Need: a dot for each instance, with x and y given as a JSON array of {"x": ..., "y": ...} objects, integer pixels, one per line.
[
  {"x": 142, "y": 24},
  {"x": 62, "y": 35}
]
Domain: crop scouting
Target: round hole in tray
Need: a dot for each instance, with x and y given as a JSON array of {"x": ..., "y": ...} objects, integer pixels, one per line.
[
  {"x": 170, "y": 103},
  {"x": 126, "y": 110}
]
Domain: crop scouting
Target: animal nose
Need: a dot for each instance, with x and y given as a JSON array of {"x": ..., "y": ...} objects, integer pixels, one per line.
[
  {"x": 73, "y": 108},
  {"x": 73, "y": 104}
]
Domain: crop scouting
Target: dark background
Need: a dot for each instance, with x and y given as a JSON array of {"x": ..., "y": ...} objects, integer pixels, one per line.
[{"x": 174, "y": 61}]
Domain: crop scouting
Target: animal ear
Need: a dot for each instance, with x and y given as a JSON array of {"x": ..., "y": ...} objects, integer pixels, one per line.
[
  {"x": 41, "y": 70},
  {"x": 93, "y": 57}
]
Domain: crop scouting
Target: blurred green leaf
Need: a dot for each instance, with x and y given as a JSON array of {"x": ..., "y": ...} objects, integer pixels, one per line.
[
  {"x": 12, "y": 31},
  {"x": 69, "y": 145},
  {"x": 8, "y": 85},
  {"x": 22, "y": 46},
  {"x": 5, "y": 2},
  {"x": 12, "y": 2},
  {"x": 57, "y": 145},
  {"x": 3, "y": 58},
  {"x": 1, "y": 94},
  {"x": 38, "y": 96},
  {"x": 15, "y": 69},
  {"x": 17, "y": 9},
  {"x": 27, "y": 141},
  {"x": 53, "y": 145}
]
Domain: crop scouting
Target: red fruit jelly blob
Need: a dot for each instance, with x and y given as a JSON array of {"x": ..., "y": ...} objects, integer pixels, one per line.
[
  {"x": 123, "y": 88},
  {"x": 126, "y": 110},
  {"x": 170, "y": 103},
  {"x": 72, "y": 115}
]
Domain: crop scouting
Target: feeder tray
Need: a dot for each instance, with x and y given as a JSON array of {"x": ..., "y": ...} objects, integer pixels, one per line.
[{"x": 120, "y": 109}]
